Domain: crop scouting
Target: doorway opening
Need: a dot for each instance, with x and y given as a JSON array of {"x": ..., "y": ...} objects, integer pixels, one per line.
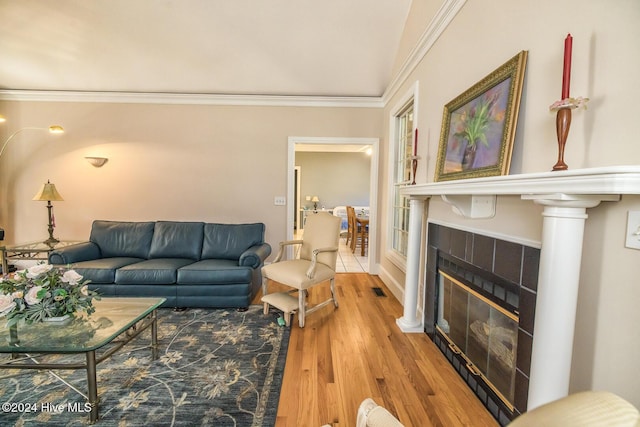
[{"x": 329, "y": 199}]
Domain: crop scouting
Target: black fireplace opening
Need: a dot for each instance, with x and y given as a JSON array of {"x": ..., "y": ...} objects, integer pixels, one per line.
[{"x": 479, "y": 309}]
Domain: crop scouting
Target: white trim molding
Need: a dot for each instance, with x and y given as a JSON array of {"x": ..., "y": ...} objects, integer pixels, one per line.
[
  {"x": 443, "y": 17},
  {"x": 436, "y": 27},
  {"x": 191, "y": 99}
]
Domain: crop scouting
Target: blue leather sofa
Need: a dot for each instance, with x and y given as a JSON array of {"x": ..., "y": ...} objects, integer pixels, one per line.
[{"x": 191, "y": 264}]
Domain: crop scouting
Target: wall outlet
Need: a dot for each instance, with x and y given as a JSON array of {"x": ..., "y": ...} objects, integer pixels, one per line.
[
  {"x": 280, "y": 201},
  {"x": 633, "y": 230}
]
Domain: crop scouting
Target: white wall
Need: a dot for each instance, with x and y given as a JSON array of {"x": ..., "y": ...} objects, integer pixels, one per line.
[
  {"x": 172, "y": 162},
  {"x": 606, "y": 63},
  {"x": 338, "y": 179}
]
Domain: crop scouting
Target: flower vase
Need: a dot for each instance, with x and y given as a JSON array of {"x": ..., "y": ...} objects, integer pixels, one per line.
[
  {"x": 14, "y": 341},
  {"x": 57, "y": 319},
  {"x": 563, "y": 123},
  {"x": 469, "y": 157}
]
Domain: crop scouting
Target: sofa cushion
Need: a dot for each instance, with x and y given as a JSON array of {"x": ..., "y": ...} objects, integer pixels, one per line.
[
  {"x": 213, "y": 272},
  {"x": 229, "y": 241},
  {"x": 158, "y": 271},
  {"x": 122, "y": 239},
  {"x": 102, "y": 270},
  {"x": 177, "y": 240}
]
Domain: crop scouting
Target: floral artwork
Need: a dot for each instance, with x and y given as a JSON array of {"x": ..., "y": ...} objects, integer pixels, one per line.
[
  {"x": 44, "y": 291},
  {"x": 476, "y": 130},
  {"x": 478, "y": 127}
]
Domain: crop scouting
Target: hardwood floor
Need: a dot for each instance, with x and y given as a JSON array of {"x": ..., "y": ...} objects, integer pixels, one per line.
[{"x": 345, "y": 355}]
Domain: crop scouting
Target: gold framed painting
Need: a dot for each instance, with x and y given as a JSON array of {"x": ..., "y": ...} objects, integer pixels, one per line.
[{"x": 479, "y": 126}]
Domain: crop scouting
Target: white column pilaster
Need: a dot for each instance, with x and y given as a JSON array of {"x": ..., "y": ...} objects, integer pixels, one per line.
[
  {"x": 557, "y": 295},
  {"x": 410, "y": 322}
]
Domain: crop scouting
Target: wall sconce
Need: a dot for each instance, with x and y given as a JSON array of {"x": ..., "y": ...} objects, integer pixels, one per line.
[{"x": 97, "y": 162}]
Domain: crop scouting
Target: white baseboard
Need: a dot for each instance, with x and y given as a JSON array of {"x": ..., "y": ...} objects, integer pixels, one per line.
[
  {"x": 397, "y": 289},
  {"x": 394, "y": 286}
]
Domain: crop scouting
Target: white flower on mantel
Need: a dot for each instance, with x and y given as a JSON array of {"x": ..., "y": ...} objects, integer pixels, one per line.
[{"x": 569, "y": 103}]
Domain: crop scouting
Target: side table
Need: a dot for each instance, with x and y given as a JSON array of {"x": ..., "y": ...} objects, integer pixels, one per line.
[{"x": 30, "y": 251}]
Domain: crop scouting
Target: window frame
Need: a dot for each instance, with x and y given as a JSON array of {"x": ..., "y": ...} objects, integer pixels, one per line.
[{"x": 400, "y": 146}]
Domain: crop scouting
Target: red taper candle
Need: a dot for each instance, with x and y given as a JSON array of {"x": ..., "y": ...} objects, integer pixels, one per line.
[
  {"x": 415, "y": 144},
  {"x": 566, "y": 72}
]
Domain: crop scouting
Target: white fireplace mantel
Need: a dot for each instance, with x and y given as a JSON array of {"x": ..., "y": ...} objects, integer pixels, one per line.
[
  {"x": 475, "y": 198},
  {"x": 565, "y": 195}
]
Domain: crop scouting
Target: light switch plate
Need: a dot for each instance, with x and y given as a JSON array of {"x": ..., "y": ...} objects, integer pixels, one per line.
[
  {"x": 633, "y": 230},
  {"x": 280, "y": 201}
]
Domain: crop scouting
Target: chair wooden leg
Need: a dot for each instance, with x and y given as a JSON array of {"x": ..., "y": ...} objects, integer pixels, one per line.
[
  {"x": 354, "y": 240},
  {"x": 333, "y": 292},
  {"x": 302, "y": 309},
  {"x": 265, "y": 309},
  {"x": 287, "y": 318}
]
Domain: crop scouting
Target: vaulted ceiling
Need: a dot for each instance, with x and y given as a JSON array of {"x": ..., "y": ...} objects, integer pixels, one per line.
[{"x": 235, "y": 47}]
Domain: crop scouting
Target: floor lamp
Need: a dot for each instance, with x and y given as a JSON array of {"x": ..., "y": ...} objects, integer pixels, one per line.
[{"x": 56, "y": 129}]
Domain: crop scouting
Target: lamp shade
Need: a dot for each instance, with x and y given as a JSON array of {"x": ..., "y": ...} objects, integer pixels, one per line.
[
  {"x": 47, "y": 193},
  {"x": 315, "y": 199}
]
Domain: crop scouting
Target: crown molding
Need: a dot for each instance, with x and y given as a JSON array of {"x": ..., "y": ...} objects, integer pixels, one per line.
[
  {"x": 436, "y": 27},
  {"x": 193, "y": 99}
]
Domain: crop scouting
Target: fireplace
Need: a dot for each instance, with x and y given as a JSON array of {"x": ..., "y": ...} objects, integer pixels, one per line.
[
  {"x": 479, "y": 311},
  {"x": 565, "y": 198}
]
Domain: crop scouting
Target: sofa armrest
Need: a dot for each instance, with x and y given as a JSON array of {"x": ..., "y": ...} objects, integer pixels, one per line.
[
  {"x": 255, "y": 255},
  {"x": 75, "y": 253}
]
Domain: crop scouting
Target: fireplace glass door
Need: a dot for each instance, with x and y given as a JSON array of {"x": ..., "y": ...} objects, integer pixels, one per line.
[{"x": 483, "y": 331}]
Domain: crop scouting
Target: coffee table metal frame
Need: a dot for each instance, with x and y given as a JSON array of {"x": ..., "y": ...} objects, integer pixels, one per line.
[
  {"x": 33, "y": 251},
  {"x": 146, "y": 318}
]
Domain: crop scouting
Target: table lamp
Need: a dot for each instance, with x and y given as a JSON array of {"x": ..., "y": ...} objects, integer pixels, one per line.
[
  {"x": 48, "y": 193},
  {"x": 315, "y": 201}
]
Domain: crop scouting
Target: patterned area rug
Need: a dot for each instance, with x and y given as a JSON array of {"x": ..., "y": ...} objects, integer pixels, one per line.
[{"x": 215, "y": 368}]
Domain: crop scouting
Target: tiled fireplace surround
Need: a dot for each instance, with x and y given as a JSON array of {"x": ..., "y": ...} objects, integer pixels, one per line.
[
  {"x": 565, "y": 197},
  {"x": 512, "y": 264}
]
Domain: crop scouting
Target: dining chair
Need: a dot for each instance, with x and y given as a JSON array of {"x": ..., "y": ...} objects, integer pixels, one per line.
[
  {"x": 316, "y": 264},
  {"x": 362, "y": 233},
  {"x": 359, "y": 231},
  {"x": 351, "y": 216}
]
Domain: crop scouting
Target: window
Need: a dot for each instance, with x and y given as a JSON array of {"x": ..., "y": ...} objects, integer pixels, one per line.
[{"x": 403, "y": 143}]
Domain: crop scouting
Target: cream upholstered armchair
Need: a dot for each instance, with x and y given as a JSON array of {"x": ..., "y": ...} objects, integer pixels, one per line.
[
  {"x": 370, "y": 414},
  {"x": 584, "y": 409},
  {"x": 315, "y": 265}
]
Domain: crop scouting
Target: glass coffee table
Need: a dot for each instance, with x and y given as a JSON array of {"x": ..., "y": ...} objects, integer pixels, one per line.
[
  {"x": 115, "y": 322},
  {"x": 38, "y": 251}
]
